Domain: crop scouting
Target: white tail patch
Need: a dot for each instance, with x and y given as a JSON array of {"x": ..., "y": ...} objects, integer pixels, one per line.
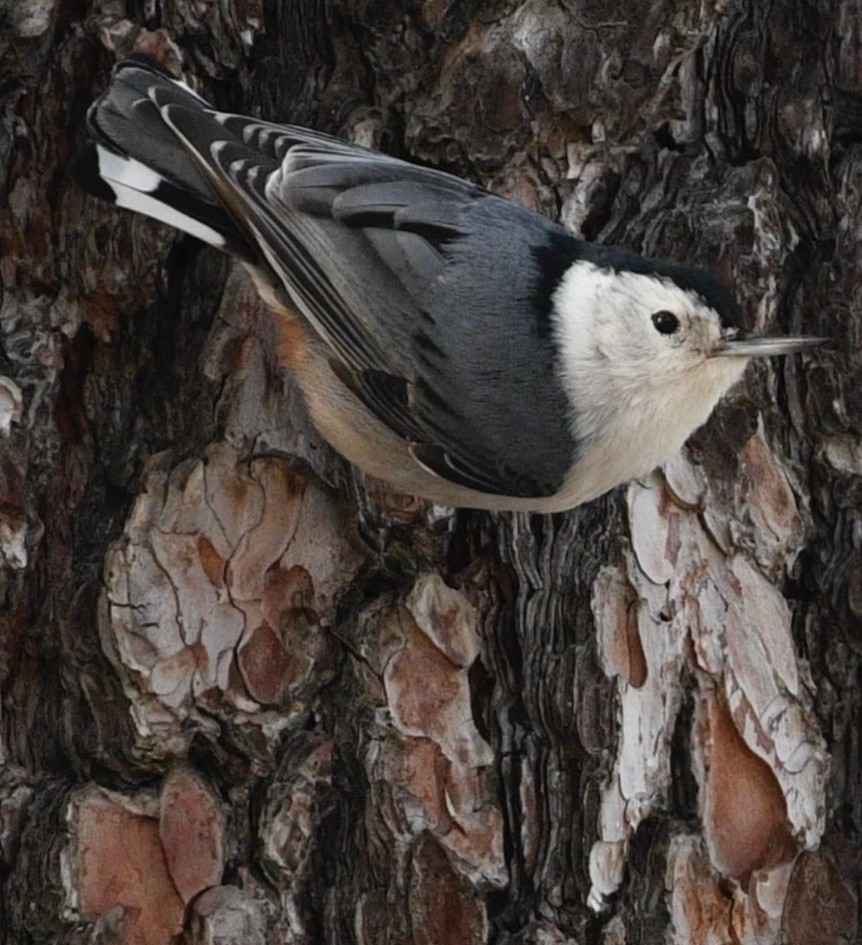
[
  {"x": 133, "y": 184},
  {"x": 127, "y": 171}
]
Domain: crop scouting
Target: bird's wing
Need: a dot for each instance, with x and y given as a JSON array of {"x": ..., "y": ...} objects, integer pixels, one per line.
[{"x": 431, "y": 327}]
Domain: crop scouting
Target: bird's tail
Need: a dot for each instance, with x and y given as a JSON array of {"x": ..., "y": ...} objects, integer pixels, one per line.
[{"x": 136, "y": 159}]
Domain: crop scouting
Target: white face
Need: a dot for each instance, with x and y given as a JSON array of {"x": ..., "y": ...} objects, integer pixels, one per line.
[{"x": 637, "y": 365}]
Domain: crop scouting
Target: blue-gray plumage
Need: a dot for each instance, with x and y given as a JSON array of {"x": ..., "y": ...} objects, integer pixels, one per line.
[{"x": 448, "y": 341}]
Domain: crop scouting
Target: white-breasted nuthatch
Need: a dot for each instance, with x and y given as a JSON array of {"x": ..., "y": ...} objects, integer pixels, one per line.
[{"x": 452, "y": 343}]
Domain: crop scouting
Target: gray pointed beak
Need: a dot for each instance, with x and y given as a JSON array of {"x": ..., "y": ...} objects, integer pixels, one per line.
[{"x": 765, "y": 347}]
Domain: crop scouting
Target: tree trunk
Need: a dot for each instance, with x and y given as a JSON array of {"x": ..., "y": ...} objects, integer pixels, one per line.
[{"x": 249, "y": 696}]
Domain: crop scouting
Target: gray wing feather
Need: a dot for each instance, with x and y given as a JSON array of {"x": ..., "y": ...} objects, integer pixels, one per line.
[{"x": 403, "y": 272}]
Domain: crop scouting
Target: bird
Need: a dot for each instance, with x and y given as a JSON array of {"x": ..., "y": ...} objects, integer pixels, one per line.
[{"x": 454, "y": 344}]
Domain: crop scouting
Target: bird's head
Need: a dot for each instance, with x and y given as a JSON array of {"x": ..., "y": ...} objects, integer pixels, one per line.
[{"x": 639, "y": 338}]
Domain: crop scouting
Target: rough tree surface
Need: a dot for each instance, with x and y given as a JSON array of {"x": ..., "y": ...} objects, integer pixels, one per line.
[{"x": 250, "y": 697}]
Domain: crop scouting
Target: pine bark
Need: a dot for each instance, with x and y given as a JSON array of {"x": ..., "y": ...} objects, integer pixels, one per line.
[{"x": 249, "y": 696}]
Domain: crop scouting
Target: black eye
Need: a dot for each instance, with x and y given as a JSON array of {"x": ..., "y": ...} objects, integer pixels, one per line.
[{"x": 666, "y": 323}]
